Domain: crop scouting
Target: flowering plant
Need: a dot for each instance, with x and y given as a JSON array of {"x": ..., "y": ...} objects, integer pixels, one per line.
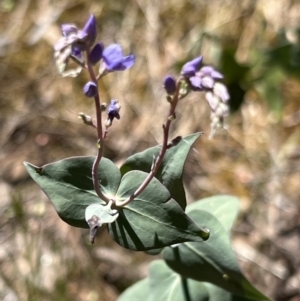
[{"x": 143, "y": 202}]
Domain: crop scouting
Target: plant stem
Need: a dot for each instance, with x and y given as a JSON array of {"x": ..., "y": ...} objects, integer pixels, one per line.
[
  {"x": 100, "y": 142},
  {"x": 158, "y": 161}
]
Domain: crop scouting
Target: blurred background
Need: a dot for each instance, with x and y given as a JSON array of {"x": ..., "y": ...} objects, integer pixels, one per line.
[{"x": 255, "y": 44}]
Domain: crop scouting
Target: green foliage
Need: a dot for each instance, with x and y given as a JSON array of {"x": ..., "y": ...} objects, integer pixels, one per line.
[
  {"x": 163, "y": 284},
  {"x": 153, "y": 219},
  {"x": 68, "y": 184},
  {"x": 205, "y": 271},
  {"x": 171, "y": 169},
  {"x": 213, "y": 261},
  {"x": 224, "y": 207}
]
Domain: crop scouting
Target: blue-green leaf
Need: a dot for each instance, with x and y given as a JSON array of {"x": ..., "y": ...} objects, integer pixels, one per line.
[
  {"x": 171, "y": 169},
  {"x": 212, "y": 261},
  {"x": 165, "y": 285},
  {"x": 137, "y": 292},
  {"x": 68, "y": 184},
  {"x": 153, "y": 219},
  {"x": 224, "y": 207}
]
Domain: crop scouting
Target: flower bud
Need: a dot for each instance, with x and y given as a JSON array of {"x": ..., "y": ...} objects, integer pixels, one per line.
[
  {"x": 90, "y": 89},
  {"x": 170, "y": 85},
  {"x": 96, "y": 54}
]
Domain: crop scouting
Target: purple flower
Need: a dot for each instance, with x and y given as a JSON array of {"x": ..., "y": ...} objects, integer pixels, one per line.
[
  {"x": 200, "y": 78},
  {"x": 114, "y": 60},
  {"x": 90, "y": 89},
  {"x": 79, "y": 38},
  {"x": 112, "y": 112},
  {"x": 113, "y": 109},
  {"x": 73, "y": 43},
  {"x": 170, "y": 84},
  {"x": 96, "y": 54}
]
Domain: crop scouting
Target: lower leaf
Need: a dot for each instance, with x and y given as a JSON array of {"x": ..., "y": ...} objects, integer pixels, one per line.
[{"x": 212, "y": 261}]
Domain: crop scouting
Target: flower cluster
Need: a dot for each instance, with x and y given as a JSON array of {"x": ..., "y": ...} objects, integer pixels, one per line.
[
  {"x": 206, "y": 79},
  {"x": 77, "y": 45},
  {"x": 195, "y": 77}
]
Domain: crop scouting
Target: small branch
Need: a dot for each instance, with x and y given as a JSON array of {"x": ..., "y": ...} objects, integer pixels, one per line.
[
  {"x": 164, "y": 147},
  {"x": 100, "y": 142}
]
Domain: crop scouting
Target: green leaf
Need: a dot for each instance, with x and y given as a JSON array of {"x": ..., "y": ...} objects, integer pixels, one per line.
[
  {"x": 224, "y": 207},
  {"x": 165, "y": 285},
  {"x": 212, "y": 261},
  {"x": 153, "y": 220},
  {"x": 68, "y": 184},
  {"x": 171, "y": 169},
  {"x": 137, "y": 292}
]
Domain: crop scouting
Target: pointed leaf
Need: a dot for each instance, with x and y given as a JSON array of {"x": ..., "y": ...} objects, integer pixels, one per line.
[
  {"x": 224, "y": 207},
  {"x": 165, "y": 285},
  {"x": 137, "y": 292},
  {"x": 68, "y": 184},
  {"x": 152, "y": 220},
  {"x": 212, "y": 261},
  {"x": 171, "y": 169}
]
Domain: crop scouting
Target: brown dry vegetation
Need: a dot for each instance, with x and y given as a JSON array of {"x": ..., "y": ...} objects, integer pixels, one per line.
[{"x": 256, "y": 159}]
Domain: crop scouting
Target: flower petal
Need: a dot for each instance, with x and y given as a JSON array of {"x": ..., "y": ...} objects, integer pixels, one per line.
[
  {"x": 112, "y": 53},
  {"x": 196, "y": 82},
  {"x": 212, "y": 100},
  {"x": 207, "y": 82},
  {"x": 128, "y": 61},
  {"x": 221, "y": 91},
  {"x": 90, "y": 28},
  {"x": 68, "y": 29},
  {"x": 114, "y": 60},
  {"x": 190, "y": 68}
]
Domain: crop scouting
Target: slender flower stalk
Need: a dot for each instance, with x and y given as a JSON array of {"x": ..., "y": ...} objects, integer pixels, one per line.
[
  {"x": 100, "y": 142},
  {"x": 164, "y": 147}
]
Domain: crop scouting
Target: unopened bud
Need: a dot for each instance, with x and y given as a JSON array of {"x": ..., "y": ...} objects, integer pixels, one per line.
[
  {"x": 90, "y": 89},
  {"x": 85, "y": 118},
  {"x": 170, "y": 85}
]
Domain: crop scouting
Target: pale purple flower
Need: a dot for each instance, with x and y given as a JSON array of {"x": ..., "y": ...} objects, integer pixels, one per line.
[
  {"x": 72, "y": 44},
  {"x": 170, "y": 84},
  {"x": 78, "y": 38},
  {"x": 114, "y": 60},
  {"x": 206, "y": 79},
  {"x": 200, "y": 78}
]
